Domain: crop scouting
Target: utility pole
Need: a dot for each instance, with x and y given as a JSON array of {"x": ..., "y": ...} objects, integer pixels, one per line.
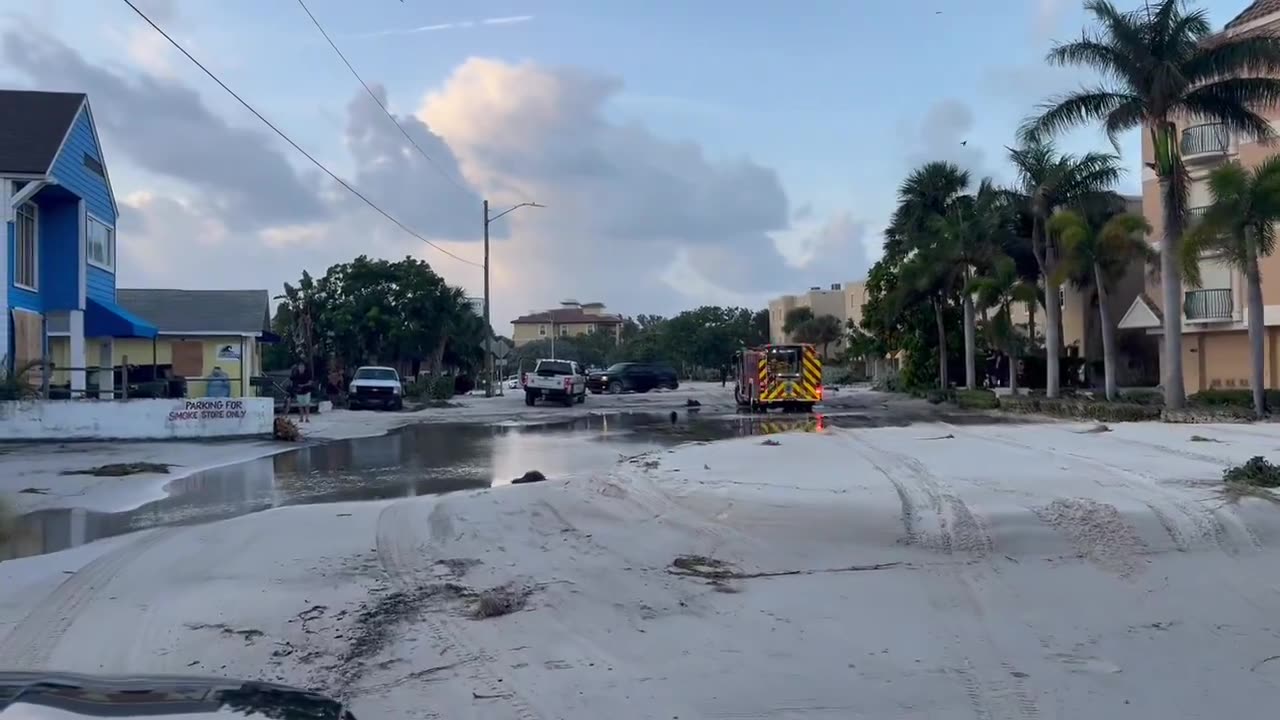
[
  {"x": 488, "y": 329},
  {"x": 488, "y": 341}
]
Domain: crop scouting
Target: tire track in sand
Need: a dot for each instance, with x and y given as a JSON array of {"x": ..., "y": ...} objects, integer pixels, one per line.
[
  {"x": 1189, "y": 525},
  {"x": 935, "y": 517},
  {"x": 31, "y": 643},
  {"x": 408, "y": 563}
]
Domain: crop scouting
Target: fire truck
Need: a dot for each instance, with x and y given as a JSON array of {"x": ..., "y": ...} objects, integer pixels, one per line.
[{"x": 786, "y": 376}]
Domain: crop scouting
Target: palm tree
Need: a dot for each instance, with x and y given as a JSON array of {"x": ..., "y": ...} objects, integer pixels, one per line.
[
  {"x": 1048, "y": 181},
  {"x": 969, "y": 235},
  {"x": 795, "y": 319},
  {"x": 1101, "y": 258},
  {"x": 1236, "y": 230},
  {"x": 1162, "y": 66},
  {"x": 821, "y": 330},
  {"x": 1000, "y": 288},
  {"x": 929, "y": 276},
  {"x": 924, "y": 195}
]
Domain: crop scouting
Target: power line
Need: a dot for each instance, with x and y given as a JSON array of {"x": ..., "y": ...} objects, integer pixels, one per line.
[
  {"x": 289, "y": 140},
  {"x": 376, "y": 99}
]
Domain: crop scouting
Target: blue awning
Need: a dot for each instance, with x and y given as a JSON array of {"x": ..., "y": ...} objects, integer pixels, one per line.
[{"x": 107, "y": 319}]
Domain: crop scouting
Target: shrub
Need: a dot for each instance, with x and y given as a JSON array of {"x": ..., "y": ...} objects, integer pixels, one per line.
[
  {"x": 1081, "y": 409},
  {"x": 15, "y": 385},
  {"x": 936, "y": 396},
  {"x": 1257, "y": 472},
  {"x": 977, "y": 399},
  {"x": 1142, "y": 397},
  {"x": 440, "y": 387},
  {"x": 463, "y": 384},
  {"x": 1232, "y": 397}
]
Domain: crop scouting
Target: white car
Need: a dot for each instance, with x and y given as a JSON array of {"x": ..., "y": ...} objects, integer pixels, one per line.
[
  {"x": 375, "y": 386},
  {"x": 513, "y": 382}
]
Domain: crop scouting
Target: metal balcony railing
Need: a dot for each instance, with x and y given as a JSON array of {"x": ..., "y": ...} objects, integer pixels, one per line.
[
  {"x": 1214, "y": 304},
  {"x": 1205, "y": 139}
]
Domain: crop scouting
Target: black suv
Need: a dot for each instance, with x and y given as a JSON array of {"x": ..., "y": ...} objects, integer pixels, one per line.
[{"x": 632, "y": 377}]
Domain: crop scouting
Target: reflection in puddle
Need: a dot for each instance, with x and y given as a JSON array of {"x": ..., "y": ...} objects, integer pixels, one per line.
[{"x": 416, "y": 460}]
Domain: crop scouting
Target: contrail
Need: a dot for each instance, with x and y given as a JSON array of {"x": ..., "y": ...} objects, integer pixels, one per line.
[{"x": 459, "y": 25}]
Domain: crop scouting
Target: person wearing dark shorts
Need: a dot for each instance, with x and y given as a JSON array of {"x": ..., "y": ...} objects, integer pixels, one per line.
[{"x": 300, "y": 386}]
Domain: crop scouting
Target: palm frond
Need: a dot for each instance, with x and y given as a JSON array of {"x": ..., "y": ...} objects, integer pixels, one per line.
[
  {"x": 1235, "y": 102},
  {"x": 1064, "y": 112},
  {"x": 1093, "y": 52},
  {"x": 1125, "y": 31},
  {"x": 1244, "y": 56}
]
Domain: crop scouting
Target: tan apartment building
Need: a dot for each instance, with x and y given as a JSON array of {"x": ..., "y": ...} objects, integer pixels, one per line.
[
  {"x": 841, "y": 300},
  {"x": 571, "y": 318},
  {"x": 1215, "y": 346}
]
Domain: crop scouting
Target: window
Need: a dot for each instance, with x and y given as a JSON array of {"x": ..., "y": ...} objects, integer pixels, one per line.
[
  {"x": 564, "y": 330},
  {"x": 542, "y": 329},
  {"x": 26, "y": 269},
  {"x": 101, "y": 244}
]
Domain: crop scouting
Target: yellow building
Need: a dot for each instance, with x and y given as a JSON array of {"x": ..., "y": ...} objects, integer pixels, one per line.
[
  {"x": 842, "y": 301},
  {"x": 198, "y": 331},
  {"x": 571, "y": 318}
]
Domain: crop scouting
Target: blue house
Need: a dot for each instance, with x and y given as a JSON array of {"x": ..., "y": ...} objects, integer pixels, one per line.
[{"x": 61, "y": 256}]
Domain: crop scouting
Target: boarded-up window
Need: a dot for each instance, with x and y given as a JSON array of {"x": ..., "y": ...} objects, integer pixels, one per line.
[
  {"x": 188, "y": 359},
  {"x": 28, "y": 343}
]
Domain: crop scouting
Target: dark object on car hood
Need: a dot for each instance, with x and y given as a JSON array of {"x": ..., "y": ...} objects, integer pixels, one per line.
[{"x": 41, "y": 695}]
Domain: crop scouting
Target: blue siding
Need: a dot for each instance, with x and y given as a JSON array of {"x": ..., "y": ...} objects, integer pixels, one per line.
[
  {"x": 70, "y": 171},
  {"x": 19, "y": 298},
  {"x": 101, "y": 284},
  {"x": 59, "y": 252}
]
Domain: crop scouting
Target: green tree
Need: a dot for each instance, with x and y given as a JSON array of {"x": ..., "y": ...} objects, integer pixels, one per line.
[
  {"x": 968, "y": 236},
  {"x": 1160, "y": 65},
  {"x": 821, "y": 330},
  {"x": 1236, "y": 230},
  {"x": 1101, "y": 256},
  {"x": 795, "y": 318},
  {"x": 1048, "y": 181},
  {"x": 999, "y": 289}
]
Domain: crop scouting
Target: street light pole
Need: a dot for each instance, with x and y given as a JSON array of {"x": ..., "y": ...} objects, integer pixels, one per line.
[{"x": 488, "y": 340}]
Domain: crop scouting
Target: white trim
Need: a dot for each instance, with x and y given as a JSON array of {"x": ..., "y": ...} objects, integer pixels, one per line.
[
  {"x": 112, "y": 242},
  {"x": 4, "y": 273},
  {"x": 205, "y": 333},
  {"x": 1139, "y": 316},
  {"x": 53, "y": 159},
  {"x": 35, "y": 247},
  {"x": 27, "y": 192},
  {"x": 23, "y": 176}
]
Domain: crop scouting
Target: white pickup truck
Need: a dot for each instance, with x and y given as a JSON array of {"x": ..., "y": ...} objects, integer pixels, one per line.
[{"x": 561, "y": 380}]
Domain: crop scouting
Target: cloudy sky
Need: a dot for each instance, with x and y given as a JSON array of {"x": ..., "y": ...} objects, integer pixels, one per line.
[{"x": 687, "y": 152}]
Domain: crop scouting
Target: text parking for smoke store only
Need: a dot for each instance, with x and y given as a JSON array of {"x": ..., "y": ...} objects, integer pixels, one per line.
[{"x": 136, "y": 419}]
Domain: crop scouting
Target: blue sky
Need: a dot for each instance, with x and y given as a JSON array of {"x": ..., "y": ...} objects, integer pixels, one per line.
[{"x": 828, "y": 103}]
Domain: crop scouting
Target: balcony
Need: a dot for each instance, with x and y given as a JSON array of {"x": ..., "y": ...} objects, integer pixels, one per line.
[
  {"x": 1205, "y": 142},
  {"x": 1208, "y": 305}
]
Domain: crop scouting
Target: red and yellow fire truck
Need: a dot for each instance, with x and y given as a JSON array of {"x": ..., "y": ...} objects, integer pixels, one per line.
[{"x": 786, "y": 376}]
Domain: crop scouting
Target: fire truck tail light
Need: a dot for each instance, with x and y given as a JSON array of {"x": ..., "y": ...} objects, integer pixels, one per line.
[{"x": 819, "y": 392}]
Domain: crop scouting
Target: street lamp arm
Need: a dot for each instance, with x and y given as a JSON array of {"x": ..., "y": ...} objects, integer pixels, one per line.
[{"x": 517, "y": 207}]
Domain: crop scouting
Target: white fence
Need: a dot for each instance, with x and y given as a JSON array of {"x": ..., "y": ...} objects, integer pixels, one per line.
[{"x": 142, "y": 419}]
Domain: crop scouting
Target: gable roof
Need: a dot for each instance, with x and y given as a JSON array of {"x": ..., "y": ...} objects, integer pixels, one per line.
[
  {"x": 174, "y": 312},
  {"x": 1141, "y": 315},
  {"x": 33, "y": 125},
  {"x": 568, "y": 315}
]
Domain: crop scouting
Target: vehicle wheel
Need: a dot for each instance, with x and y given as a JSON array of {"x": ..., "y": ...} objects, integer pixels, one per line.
[
  {"x": 806, "y": 407},
  {"x": 353, "y": 405},
  {"x": 397, "y": 405},
  {"x": 595, "y": 392},
  {"x": 615, "y": 387},
  {"x": 568, "y": 401},
  {"x": 675, "y": 385},
  {"x": 582, "y": 398},
  {"x": 529, "y": 399}
]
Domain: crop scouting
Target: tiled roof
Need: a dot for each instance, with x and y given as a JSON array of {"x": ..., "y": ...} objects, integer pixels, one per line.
[
  {"x": 568, "y": 315},
  {"x": 195, "y": 311},
  {"x": 1256, "y": 10},
  {"x": 32, "y": 126}
]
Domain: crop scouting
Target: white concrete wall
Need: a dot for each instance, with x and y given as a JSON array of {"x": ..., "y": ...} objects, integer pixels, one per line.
[{"x": 143, "y": 419}]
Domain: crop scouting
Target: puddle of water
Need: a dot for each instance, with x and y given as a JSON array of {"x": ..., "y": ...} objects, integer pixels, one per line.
[{"x": 416, "y": 460}]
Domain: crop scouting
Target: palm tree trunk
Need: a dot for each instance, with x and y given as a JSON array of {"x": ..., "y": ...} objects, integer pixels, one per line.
[
  {"x": 1254, "y": 281},
  {"x": 1011, "y": 349},
  {"x": 1052, "y": 340},
  {"x": 942, "y": 343},
  {"x": 1108, "y": 335},
  {"x": 970, "y": 344},
  {"x": 1175, "y": 396},
  {"x": 1031, "y": 322}
]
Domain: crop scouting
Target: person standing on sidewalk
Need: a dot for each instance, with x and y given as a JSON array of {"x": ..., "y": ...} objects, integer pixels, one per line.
[{"x": 300, "y": 384}]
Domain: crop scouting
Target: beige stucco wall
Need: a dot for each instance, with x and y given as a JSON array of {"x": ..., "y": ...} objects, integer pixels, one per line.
[{"x": 528, "y": 332}]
